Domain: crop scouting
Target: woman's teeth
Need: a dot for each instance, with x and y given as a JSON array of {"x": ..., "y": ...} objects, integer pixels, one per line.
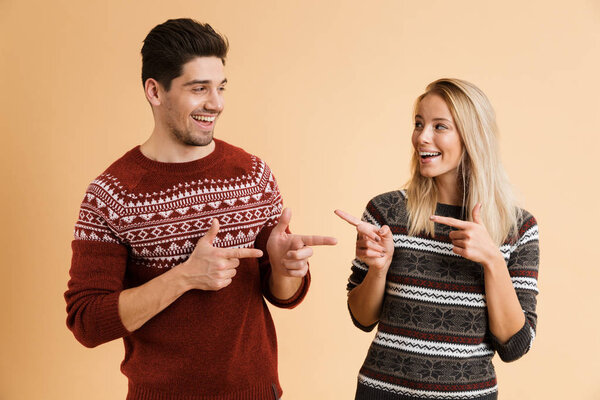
[{"x": 425, "y": 154}]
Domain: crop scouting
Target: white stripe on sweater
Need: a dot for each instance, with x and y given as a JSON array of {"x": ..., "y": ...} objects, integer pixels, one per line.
[
  {"x": 424, "y": 394},
  {"x": 432, "y": 348},
  {"x": 418, "y": 243},
  {"x": 521, "y": 282},
  {"x": 436, "y": 296}
]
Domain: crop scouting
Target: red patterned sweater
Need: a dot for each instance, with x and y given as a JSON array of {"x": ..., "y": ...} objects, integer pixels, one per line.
[{"x": 142, "y": 217}]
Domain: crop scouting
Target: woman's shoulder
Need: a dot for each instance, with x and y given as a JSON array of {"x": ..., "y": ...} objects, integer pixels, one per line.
[
  {"x": 390, "y": 198},
  {"x": 526, "y": 222},
  {"x": 526, "y": 228},
  {"x": 389, "y": 208}
]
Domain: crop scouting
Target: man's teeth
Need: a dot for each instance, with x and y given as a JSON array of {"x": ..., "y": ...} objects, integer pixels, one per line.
[
  {"x": 427, "y": 154},
  {"x": 203, "y": 118}
]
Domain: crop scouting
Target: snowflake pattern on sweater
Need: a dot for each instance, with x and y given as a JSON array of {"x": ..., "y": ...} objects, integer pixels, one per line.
[{"x": 432, "y": 340}]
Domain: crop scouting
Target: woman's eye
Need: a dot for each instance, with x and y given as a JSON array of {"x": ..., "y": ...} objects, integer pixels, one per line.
[
  {"x": 418, "y": 125},
  {"x": 440, "y": 127}
]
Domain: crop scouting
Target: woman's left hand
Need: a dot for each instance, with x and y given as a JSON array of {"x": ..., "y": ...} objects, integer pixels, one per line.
[{"x": 471, "y": 240}]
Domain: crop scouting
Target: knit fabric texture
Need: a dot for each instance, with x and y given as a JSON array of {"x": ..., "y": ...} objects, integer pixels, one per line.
[
  {"x": 141, "y": 218},
  {"x": 432, "y": 339}
]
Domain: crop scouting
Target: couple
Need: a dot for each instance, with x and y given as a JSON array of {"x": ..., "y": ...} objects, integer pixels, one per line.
[{"x": 180, "y": 240}]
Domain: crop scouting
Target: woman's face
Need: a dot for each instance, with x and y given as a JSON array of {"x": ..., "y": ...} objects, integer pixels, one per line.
[{"x": 436, "y": 140}]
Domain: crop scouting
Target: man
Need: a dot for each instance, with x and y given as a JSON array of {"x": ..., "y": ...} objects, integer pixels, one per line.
[{"x": 178, "y": 241}]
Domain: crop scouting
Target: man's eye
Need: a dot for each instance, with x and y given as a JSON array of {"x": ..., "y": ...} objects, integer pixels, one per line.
[
  {"x": 222, "y": 89},
  {"x": 198, "y": 89}
]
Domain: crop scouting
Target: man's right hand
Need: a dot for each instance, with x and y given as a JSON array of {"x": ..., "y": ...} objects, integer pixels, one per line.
[{"x": 213, "y": 268}]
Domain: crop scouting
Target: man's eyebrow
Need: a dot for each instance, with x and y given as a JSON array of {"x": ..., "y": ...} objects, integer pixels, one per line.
[{"x": 203, "y": 82}]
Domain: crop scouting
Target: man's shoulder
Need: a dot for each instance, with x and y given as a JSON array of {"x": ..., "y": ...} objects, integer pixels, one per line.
[
  {"x": 235, "y": 153},
  {"x": 124, "y": 165},
  {"x": 119, "y": 175},
  {"x": 241, "y": 161}
]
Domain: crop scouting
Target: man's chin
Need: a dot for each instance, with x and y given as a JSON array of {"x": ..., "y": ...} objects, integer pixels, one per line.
[{"x": 199, "y": 141}]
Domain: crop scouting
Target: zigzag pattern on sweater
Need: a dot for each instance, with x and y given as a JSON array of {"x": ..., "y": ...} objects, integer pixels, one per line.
[
  {"x": 421, "y": 394},
  {"x": 436, "y": 296},
  {"x": 441, "y": 349},
  {"x": 433, "y": 326}
]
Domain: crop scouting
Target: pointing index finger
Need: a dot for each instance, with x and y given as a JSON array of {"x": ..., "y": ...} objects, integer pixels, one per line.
[
  {"x": 352, "y": 220},
  {"x": 313, "y": 240},
  {"x": 453, "y": 222},
  {"x": 243, "y": 253}
]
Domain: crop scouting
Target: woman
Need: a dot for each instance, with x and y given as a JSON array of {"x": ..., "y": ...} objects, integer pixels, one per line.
[{"x": 447, "y": 268}]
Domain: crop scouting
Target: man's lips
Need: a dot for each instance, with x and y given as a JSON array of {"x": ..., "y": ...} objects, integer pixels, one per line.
[
  {"x": 204, "y": 118},
  {"x": 204, "y": 121}
]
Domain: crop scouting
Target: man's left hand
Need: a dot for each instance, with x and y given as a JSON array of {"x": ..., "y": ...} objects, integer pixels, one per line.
[{"x": 289, "y": 253}]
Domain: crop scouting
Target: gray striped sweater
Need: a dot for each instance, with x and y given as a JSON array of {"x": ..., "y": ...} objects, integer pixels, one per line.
[{"x": 432, "y": 339}]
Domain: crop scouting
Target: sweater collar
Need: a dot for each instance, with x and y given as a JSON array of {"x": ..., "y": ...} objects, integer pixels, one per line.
[
  {"x": 191, "y": 166},
  {"x": 448, "y": 210}
]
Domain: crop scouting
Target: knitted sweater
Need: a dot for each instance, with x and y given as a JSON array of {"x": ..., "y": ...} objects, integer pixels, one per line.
[
  {"x": 433, "y": 341},
  {"x": 142, "y": 217}
]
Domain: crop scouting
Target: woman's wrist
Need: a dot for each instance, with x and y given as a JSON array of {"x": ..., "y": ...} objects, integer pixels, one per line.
[
  {"x": 496, "y": 260},
  {"x": 378, "y": 272}
]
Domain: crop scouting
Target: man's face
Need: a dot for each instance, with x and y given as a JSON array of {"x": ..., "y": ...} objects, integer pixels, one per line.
[{"x": 189, "y": 110}]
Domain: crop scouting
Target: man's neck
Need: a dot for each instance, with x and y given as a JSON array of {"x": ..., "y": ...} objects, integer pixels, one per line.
[{"x": 159, "y": 148}]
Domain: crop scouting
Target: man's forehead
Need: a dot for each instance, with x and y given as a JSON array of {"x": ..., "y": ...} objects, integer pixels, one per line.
[
  {"x": 204, "y": 64},
  {"x": 203, "y": 69}
]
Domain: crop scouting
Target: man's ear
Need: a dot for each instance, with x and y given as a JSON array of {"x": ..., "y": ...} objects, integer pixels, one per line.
[{"x": 151, "y": 90}]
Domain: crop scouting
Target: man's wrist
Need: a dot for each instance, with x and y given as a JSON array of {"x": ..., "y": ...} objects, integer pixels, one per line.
[
  {"x": 284, "y": 287},
  {"x": 178, "y": 278}
]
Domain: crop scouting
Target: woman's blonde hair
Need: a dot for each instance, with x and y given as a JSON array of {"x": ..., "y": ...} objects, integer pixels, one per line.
[{"x": 482, "y": 178}]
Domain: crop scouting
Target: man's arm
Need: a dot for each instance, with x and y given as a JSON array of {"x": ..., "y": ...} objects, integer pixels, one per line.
[
  {"x": 100, "y": 310},
  {"x": 208, "y": 268}
]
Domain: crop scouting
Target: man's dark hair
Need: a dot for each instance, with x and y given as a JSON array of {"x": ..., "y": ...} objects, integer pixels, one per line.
[{"x": 172, "y": 44}]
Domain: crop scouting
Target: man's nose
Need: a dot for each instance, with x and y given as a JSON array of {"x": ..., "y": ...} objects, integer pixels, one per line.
[{"x": 215, "y": 101}]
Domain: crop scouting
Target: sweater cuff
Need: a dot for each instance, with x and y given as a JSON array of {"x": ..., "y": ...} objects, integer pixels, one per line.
[
  {"x": 109, "y": 322},
  {"x": 516, "y": 346},
  {"x": 360, "y": 326},
  {"x": 292, "y": 301}
]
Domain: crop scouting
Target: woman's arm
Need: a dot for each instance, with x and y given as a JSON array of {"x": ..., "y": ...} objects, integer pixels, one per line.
[
  {"x": 374, "y": 248},
  {"x": 511, "y": 316},
  {"x": 505, "y": 314}
]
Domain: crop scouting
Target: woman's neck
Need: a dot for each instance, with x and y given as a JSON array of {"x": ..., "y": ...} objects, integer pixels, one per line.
[{"x": 448, "y": 192}]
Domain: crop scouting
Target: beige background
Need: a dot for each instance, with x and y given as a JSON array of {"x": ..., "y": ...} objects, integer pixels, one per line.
[{"x": 322, "y": 90}]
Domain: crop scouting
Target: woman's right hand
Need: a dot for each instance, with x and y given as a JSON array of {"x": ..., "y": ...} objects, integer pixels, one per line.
[{"x": 374, "y": 246}]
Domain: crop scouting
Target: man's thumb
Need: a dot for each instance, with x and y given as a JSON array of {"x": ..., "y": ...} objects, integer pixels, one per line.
[
  {"x": 284, "y": 220},
  {"x": 211, "y": 234}
]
